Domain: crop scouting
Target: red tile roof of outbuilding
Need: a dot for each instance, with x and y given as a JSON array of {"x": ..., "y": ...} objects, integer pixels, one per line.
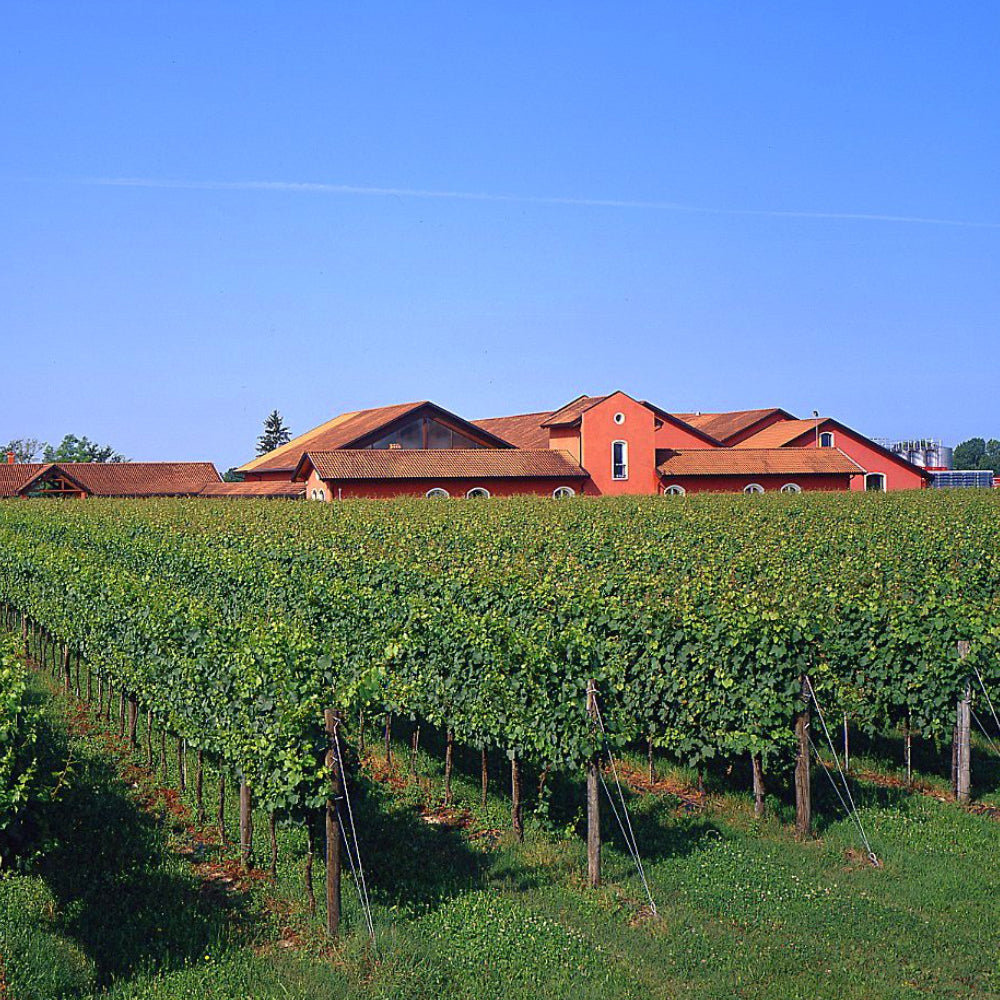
[
  {"x": 290, "y": 491},
  {"x": 723, "y": 426},
  {"x": 756, "y": 462},
  {"x": 115, "y": 479},
  {"x": 453, "y": 463},
  {"x": 139, "y": 479},
  {"x": 14, "y": 478}
]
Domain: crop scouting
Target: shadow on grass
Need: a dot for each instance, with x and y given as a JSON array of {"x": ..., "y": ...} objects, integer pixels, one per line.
[{"x": 121, "y": 894}]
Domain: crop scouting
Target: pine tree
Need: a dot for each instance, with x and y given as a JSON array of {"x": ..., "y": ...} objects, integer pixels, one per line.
[{"x": 275, "y": 434}]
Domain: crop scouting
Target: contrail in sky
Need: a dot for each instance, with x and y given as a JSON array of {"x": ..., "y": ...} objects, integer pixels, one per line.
[{"x": 670, "y": 206}]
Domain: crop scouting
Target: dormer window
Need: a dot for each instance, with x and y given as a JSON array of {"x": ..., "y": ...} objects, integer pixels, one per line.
[{"x": 619, "y": 460}]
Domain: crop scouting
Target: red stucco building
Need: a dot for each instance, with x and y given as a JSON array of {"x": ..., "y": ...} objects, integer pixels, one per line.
[{"x": 594, "y": 445}]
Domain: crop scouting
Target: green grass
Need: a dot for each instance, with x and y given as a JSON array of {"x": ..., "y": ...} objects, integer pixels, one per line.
[{"x": 111, "y": 905}]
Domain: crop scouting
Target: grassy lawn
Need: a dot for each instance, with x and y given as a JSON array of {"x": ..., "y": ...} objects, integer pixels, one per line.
[{"x": 118, "y": 898}]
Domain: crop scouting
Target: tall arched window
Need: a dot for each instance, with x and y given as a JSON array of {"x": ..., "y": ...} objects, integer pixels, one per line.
[
  {"x": 875, "y": 482},
  {"x": 619, "y": 460},
  {"x": 437, "y": 494},
  {"x": 826, "y": 439}
]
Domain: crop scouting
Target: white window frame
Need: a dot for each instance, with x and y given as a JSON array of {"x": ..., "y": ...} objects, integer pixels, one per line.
[
  {"x": 563, "y": 493},
  {"x": 674, "y": 490},
  {"x": 791, "y": 488},
  {"x": 624, "y": 462},
  {"x": 753, "y": 489},
  {"x": 881, "y": 475},
  {"x": 619, "y": 418},
  {"x": 321, "y": 495},
  {"x": 478, "y": 493},
  {"x": 827, "y": 434},
  {"x": 313, "y": 496},
  {"x": 437, "y": 493}
]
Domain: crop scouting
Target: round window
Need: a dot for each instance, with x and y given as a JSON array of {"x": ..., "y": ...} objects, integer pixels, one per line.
[{"x": 619, "y": 418}]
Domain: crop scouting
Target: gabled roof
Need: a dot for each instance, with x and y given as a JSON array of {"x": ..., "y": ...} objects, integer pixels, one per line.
[
  {"x": 141, "y": 479},
  {"x": 780, "y": 434},
  {"x": 756, "y": 462},
  {"x": 523, "y": 430},
  {"x": 114, "y": 479},
  {"x": 283, "y": 490},
  {"x": 442, "y": 463},
  {"x": 723, "y": 426},
  {"x": 348, "y": 429},
  {"x": 570, "y": 414},
  {"x": 15, "y": 478}
]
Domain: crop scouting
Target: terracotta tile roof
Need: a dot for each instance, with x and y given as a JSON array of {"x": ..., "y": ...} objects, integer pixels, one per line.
[
  {"x": 779, "y": 434},
  {"x": 290, "y": 491},
  {"x": 572, "y": 411},
  {"x": 456, "y": 463},
  {"x": 523, "y": 430},
  {"x": 723, "y": 426},
  {"x": 116, "y": 479},
  {"x": 13, "y": 478},
  {"x": 347, "y": 429},
  {"x": 755, "y": 462},
  {"x": 138, "y": 479}
]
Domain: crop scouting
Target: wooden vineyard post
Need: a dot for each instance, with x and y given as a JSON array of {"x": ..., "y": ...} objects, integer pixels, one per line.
[
  {"x": 449, "y": 763},
  {"x": 121, "y": 712},
  {"x": 67, "y": 674},
  {"x": 133, "y": 721},
  {"x": 650, "y": 765},
  {"x": 847, "y": 745},
  {"x": 485, "y": 777},
  {"x": 516, "y": 820},
  {"x": 361, "y": 734},
  {"x": 333, "y": 825},
  {"x": 908, "y": 751},
  {"x": 593, "y": 799},
  {"x": 181, "y": 766},
  {"x": 803, "y": 790},
  {"x": 24, "y": 633},
  {"x": 90, "y": 680},
  {"x": 388, "y": 740},
  {"x": 272, "y": 828},
  {"x": 758, "y": 785},
  {"x": 308, "y": 874},
  {"x": 246, "y": 825},
  {"x": 963, "y": 730},
  {"x": 414, "y": 747},
  {"x": 221, "y": 819},
  {"x": 149, "y": 740},
  {"x": 199, "y": 788}
]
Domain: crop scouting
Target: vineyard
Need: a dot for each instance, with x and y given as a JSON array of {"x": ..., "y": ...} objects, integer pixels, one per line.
[{"x": 269, "y": 640}]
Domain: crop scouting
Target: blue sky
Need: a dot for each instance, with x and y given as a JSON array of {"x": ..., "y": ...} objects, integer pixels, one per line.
[{"x": 212, "y": 210}]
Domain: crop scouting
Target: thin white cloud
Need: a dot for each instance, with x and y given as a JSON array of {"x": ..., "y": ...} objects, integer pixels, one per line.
[{"x": 670, "y": 206}]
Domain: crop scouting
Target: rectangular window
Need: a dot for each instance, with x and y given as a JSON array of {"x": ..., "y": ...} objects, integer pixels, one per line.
[{"x": 619, "y": 460}]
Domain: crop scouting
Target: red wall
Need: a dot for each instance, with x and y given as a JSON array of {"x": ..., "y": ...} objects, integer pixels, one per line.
[
  {"x": 898, "y": 475},
  {"x": 810, "y": 483},
  {"x": 387, "y": 489},
  {"x": 598, "y": 430}
]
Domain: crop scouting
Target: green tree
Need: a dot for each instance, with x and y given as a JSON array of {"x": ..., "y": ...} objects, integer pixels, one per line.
[
  {"x": 82, "y": 449},
  {"x": 275, "y": 434},
  {"x": 233, "y": 475},
  {"x": 978, "y": 453},
  {"x": 24, "y": 449}
]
